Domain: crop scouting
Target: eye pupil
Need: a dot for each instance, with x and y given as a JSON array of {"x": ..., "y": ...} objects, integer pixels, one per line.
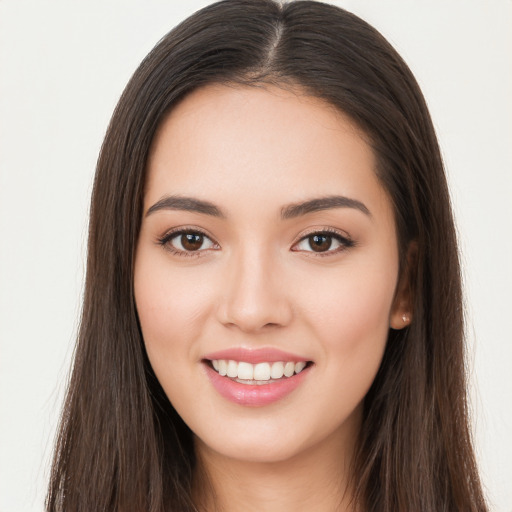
[
  {"x": 192, "y": 241},
  {"x": 320, "y": 243}
]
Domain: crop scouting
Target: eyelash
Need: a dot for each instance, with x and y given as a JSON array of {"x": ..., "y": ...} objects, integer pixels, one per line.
[
  {"x": 344, "y": 241},
  {"x": 165, "y": 240}
]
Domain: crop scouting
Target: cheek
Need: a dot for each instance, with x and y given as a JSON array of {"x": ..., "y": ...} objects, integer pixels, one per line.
[
  {"x": 171, "y": 308},
  {"x": 351, "y": 313},
  {"x": 351, "y": 323},
  {"x": 171, "y": 305}
]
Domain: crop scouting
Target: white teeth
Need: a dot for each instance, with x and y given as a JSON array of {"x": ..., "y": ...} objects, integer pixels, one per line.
[
  {"x": 300, "y": 366},
  {"x": 262, "y": 371},
  {"x": 232, "y": 370},
  {"x": 223, "y": 367},
  {"x": 289, "y": 369},
  {"x": 277, "y": 371},
  {"x": 257, "y": 372},
  {"x": 245, "y": 371}
]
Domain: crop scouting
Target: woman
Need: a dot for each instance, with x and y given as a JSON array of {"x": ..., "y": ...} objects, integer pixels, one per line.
[{"x": 272, "y": 317}]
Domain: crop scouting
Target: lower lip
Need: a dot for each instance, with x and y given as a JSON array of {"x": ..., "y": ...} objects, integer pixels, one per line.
[{"x": 255, "y": 395}]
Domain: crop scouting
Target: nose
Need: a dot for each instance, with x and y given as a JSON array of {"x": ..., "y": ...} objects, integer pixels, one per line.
[{"x": 254, "y": 296}]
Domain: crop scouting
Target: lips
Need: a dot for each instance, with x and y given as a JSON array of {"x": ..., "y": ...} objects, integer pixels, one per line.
[
  {"x": 254, "y": 356},
  {"x": 255, "y": 377}
]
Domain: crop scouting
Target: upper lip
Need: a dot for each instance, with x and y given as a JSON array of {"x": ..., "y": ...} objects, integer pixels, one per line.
[{"x": 254, "y": 356}]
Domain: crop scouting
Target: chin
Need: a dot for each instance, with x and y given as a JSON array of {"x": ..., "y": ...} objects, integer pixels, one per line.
[
  {"x": 269, "y": 442},
  {"x": 258, "y": 451}
]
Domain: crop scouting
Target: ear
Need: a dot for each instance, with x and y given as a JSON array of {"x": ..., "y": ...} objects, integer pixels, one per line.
[{"x": 402, "y": 309}]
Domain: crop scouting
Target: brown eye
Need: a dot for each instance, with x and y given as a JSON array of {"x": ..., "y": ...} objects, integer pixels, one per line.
[
  {"x": 191, "y": 241},
  {"x": 187, "y": 242},
  {"x": 323, "y": 242},
  {"x": 320, "y": 243}
]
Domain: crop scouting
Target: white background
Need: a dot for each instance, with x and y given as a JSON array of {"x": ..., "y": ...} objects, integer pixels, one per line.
[{"x": 63, "y": 65}]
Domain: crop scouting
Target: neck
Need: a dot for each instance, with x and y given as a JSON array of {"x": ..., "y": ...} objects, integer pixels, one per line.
[{"x": 316, "y": 479}]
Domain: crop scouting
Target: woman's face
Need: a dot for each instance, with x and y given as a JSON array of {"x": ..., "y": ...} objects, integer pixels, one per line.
[{"x": 268, "y": 251}]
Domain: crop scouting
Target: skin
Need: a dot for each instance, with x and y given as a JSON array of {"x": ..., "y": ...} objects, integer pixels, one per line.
[{"x": 252, "y": 151}]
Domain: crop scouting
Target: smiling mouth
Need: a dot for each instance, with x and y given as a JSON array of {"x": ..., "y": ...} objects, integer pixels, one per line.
[{"x": 257, "y": 374}]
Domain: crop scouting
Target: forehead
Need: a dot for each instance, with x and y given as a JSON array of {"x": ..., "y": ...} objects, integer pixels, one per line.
[{"x": 263, "y": 142}]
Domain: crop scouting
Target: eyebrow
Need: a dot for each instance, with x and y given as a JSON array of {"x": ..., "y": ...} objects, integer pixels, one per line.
[
  {"x": 322, "y": 203},
  {"x": 291, "y": 211},
  {"x": 189, "y": 204}
]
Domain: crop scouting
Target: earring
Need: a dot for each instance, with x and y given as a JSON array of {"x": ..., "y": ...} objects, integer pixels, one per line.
[{"x": 405, "y": 318}]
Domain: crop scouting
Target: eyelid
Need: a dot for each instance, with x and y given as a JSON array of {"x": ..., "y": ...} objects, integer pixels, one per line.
[
  {"x": 342, "y": 237},
  {"x": 164, "y": 240}
]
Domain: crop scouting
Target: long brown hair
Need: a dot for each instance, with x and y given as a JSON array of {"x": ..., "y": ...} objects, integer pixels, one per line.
[{"x": 121, "y": 445}]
